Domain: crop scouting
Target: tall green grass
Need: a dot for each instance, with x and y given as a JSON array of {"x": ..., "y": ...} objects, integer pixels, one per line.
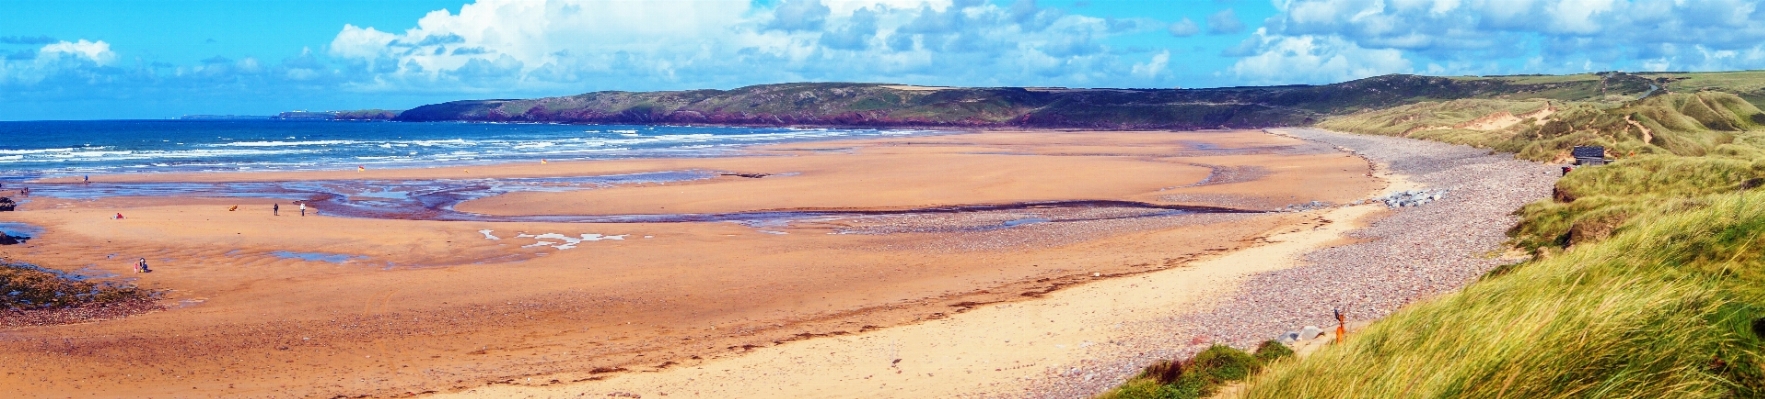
[
  {"x": 1650, "y": 281},
  {"x": 1200, "y": 376},
  {"x": 1665, "y": 309},
  {"x": 1592, "y": 203},
  {"x": 1688, "y": 124}
]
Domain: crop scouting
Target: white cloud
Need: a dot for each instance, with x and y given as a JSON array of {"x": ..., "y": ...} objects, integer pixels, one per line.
[
  {"x": 362, "y": 43},
  {"x": 1314, "y": 59},
  {"x": 1224, "y": 22},
  {"x": 1184, "y": 28},
  {"x": 564, "y": 44},
  {"x": 1466, "y": 36},
  {"x": 1577, "y": 16},
  {"x": 1154, "y": 67},
  {"x": 77, "y": 61},
  {"x": 98, "y": 52}
]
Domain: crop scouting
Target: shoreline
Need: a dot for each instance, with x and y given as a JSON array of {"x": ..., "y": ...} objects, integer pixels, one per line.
[
  {"x": 461, "y": 309},
  {"x": 736, "y": 148}
]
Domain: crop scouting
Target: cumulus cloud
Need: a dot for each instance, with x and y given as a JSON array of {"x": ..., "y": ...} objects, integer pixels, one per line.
[
  {"x": 1154, "y": 67},
  {"x": 1224, "y": 22},
  {"x": 98, "y": 52},
  {"x": 59, "y": 61},
  {"x": 1183, "y": 28},
  {"x": 1314, "y": 59},
  {"x": 565, "y": 44},
  {"x": 794, "y": 15},
  {"x": 1465, "y": 36}
]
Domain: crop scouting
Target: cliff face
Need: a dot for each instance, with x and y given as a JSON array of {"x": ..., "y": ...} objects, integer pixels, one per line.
[{"x": 854, "y": 104}]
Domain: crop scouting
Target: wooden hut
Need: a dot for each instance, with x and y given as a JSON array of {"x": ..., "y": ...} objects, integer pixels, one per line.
[{"x": 1589, "y": 155}]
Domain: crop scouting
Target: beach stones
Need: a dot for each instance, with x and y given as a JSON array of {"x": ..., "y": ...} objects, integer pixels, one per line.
[
  {"x": 1412, "y": 198},
  {"x": 1314, "y": 205}
]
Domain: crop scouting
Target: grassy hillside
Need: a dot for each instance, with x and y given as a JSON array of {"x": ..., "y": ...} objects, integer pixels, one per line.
[
  {"x": 1673, "y": 306},
  {"x": 1649, "y": 280},
  {"x": 864, "y": 104},
  {"x": 1688, "y": 124}
]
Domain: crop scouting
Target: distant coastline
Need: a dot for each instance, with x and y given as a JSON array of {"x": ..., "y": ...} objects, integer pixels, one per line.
[{"x": 877, "y": 105}]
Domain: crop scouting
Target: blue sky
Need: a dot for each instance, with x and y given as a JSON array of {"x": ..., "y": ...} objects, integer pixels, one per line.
[{"x": 75, "y": 59}]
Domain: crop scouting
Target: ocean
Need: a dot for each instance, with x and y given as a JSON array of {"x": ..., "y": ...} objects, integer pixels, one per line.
[{"x": 36, "y": 149}]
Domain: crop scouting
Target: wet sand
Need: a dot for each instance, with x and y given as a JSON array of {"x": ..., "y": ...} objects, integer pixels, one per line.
[{"x": 390, "y": 307}]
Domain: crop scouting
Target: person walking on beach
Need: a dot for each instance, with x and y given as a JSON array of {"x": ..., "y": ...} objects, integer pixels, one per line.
[
  {"x": 88, "y": 179},
  {"x": 303, "y": 209},
  {"x": 276, "y": 209}
]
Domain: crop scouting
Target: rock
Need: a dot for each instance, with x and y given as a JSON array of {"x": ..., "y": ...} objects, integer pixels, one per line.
[
  {"x": 1288, "y": 337},
  {"x": 1310, "y": 332}
]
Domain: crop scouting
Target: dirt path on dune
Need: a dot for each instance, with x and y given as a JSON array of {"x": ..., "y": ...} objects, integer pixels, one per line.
[{"x": 1647, "y": 136}]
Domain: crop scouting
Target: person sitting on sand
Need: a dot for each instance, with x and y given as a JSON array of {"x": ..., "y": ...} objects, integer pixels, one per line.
[
  {"x": 142, "y": 267},
  {"x": 119, "y": 216}
]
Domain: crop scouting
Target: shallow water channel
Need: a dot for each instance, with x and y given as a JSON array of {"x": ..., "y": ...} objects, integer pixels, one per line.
[{"x": 435, "y": 199}]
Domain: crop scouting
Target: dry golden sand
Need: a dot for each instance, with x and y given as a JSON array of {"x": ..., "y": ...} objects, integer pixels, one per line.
[
  {"x": 436, "y": 307},
  {"x": 988, "y": 350}
]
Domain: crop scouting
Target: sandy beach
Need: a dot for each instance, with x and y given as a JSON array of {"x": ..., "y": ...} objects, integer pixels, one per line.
[{"x": 925, "y": 232}]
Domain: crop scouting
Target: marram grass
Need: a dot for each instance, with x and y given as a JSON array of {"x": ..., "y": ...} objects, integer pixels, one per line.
[{"x": 1664, "y": 309}]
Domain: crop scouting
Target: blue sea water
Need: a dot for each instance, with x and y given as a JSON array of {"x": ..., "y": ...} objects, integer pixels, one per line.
[{"x": 60, "y": 148}]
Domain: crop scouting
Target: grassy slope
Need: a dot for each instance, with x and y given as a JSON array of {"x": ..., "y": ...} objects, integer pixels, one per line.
[
  {"x": 1677, "y": 123},
  {"x": 1664, "y": 309},
  {"x": 1650, "y": 280},
  {"x": 885, "y": 105}
]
